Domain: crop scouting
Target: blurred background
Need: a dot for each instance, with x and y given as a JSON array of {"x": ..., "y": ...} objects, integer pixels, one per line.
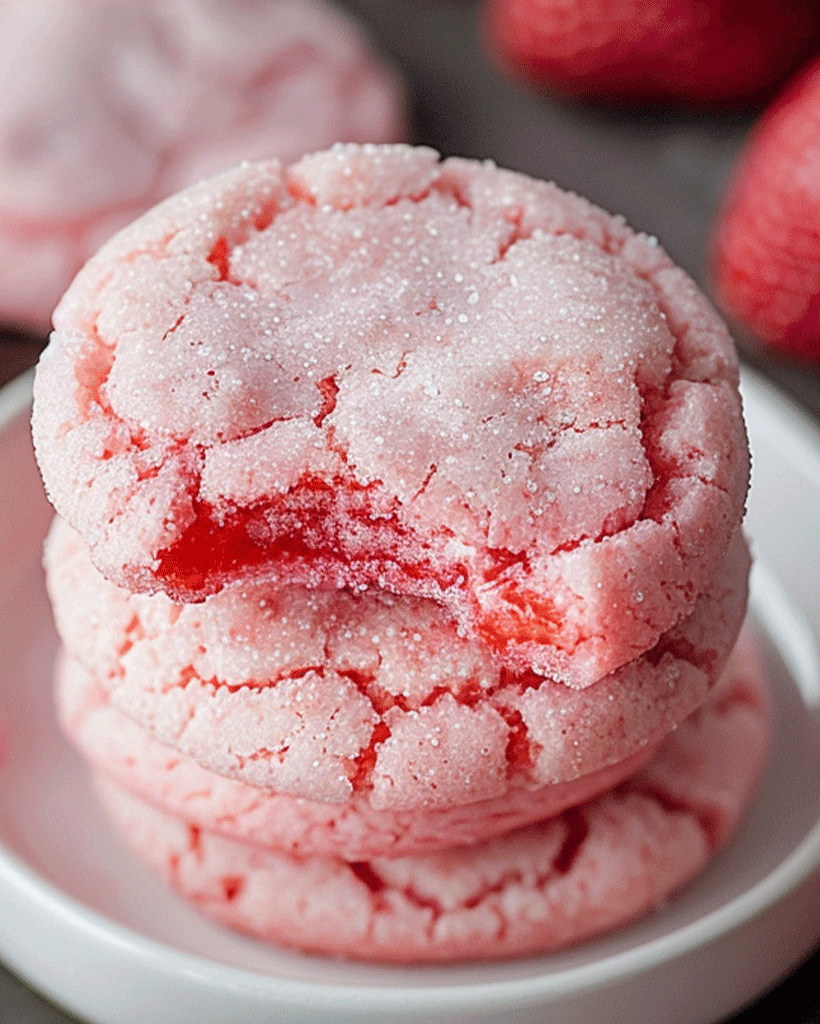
[{"x": 665, "y": 171}]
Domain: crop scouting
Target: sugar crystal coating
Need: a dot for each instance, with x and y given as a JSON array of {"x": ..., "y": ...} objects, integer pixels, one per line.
[
  {"x": 336, "y": 695},
  {"x": 122, "y": 750},
  {"x": 375, "y": 369},
  {"x": 586, "y": 871}
]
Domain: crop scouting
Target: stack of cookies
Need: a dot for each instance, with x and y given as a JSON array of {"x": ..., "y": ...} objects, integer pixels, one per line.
[{"x": 404, "y": 558}]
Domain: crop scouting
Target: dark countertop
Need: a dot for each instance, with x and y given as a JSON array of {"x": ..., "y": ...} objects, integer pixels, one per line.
[{"x": 664, "y": 172}]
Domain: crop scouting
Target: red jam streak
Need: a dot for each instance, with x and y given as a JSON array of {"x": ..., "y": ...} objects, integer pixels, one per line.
[
  {"x": 304, "y": 540},
  {"x": 524, "y": 617}
]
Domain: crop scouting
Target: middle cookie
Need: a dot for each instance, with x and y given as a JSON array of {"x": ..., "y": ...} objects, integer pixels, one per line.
[{"x": 329, "y": 694}]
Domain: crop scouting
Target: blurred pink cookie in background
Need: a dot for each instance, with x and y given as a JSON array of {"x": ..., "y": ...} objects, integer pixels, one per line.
[{"x": 108, "y": 107}]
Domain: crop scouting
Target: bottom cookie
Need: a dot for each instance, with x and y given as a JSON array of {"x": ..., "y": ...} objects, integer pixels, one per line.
[{"x": 588, "y": 870}]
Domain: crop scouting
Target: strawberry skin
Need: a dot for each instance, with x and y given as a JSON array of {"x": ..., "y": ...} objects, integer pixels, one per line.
[
  {"x": 766, "y": 247},
  {"x": 698, "y": 53}
]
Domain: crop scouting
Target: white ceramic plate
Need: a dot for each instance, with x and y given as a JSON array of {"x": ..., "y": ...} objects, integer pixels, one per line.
[{"x": 85, "y": 924}]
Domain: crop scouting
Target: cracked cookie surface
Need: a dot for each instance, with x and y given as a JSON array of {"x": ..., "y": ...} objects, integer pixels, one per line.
[
  {"x": 586, "y": 871},
  {"x": 375, "y": 369},
  {"x": 340, "y": 696},
  {"x": 119, "y": 748}
]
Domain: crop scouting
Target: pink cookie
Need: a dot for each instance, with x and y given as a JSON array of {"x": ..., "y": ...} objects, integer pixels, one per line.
[
  {"x": 374, "y": 369},
  {"x": 128, "y": 755},
  {"x": 110, "y": 106},
  {"x": 589, "y": 870},
  {"x": 332, "y": 695}
]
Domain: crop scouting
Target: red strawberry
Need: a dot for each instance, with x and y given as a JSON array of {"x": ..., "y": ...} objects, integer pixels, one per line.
[
  {"x": 766, "y": 251},
  {"x": 705, "y": 53}
]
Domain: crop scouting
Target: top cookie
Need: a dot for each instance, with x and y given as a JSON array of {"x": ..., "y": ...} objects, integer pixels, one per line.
[
  {"x": 373, "y": 368},
  {"x": 108, "y": 107}
]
